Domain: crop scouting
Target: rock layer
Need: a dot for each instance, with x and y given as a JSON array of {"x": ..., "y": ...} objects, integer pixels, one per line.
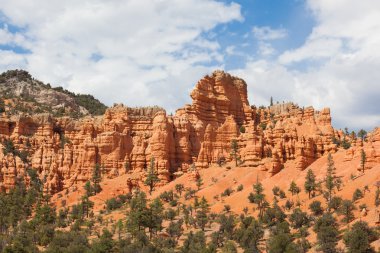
[{"x": 64, "y": 151}]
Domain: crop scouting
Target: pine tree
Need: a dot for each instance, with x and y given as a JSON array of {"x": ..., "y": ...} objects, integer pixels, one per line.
[
  {"x": 310, "y": 184},
  {"x": 330, "y": 182},
  {"x": 234, "y": 151},
  {"x": 201, "y": 216},
  {"x": 362, "y": 134},
  {"x": 327, "y": 233},
  {"x": 346, "y": 210},
  {"x": 88, "y": 189},
  {"x": 294, "y": 189},
  {"x": 258, "y": 197},
  {"x": 155, "y": 217},
  {"x": 271, "y": 101},
  {"x": 96, "y": 178},
  {"x": 358, "y": 239},
  {"x": 179, "y": 188},
  {"x": 363, "y": 159},
  {"x": 152, "y": 177},
  {"x": 199, "y": 183}
]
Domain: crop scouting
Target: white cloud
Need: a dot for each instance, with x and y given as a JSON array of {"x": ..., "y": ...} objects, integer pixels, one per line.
[
  {"x": 337, "y": 66},
  {"x": 138, "y": 44},
  {"x": 267, "y": 33}
]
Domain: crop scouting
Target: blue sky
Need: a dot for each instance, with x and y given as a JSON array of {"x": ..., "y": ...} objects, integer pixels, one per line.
[{"x": 141, "y": 52}]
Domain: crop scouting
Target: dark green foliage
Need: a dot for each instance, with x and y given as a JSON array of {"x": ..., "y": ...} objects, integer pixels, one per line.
[
  {"x": 345, "y": 144},
  {"x": 293, "y": 188},
  {"x": 115, "y": 203},
  {"x": 194, "y": 243},
  {"x": 227, "y": 192},
  {"x": 335, "y": 203},
  {"x": 229, "y": 247},
  {"x": 273, "y": 216},
  {"x": 152, "y": 177},
  {"x": 202, "y": 213},
  {"x": 104, "y": 244},
  {"x": 179, "y": 188},
  {"x": 258, "y": 197},
  {"x": 96, "y": 178},
  {"x": 281, "y": 243},
  {"x": 9, "y": 148},
  {"x": 331, "y": 179},
  {"x": 299, "y": 219},
  {"x": 362, "y": 134},
  {"x": 363, "y": 159},
  {"x": 347, "y": 208},
  {"x": 170, "y": 214},
  {"x": 359, "y": 237},
  {"x": 276, "y": 191},
  {"x": 93, "y": 105},
  {"x": 327, "y": 233},
  {"x": 316, "y": 207},
  {"x": 240, "y": 188},
  {"x": 242, "y": 129},
  {"x": 310, "y": 183},
  {"x": 68, "y": 242},
  {"x": 249, "y": 234},
  {"x": 234, "y": 151},
  {"x": 199, "y": 183},
  {"x": 358, "y": 194}
]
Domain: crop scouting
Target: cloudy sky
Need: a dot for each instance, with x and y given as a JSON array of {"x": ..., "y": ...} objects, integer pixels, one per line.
[{"x": 152, "y": 52}]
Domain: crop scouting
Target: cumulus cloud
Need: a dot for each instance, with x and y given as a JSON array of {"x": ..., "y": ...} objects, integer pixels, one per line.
[
  {"x": 268, "y": 33},
  {"x": 337, "y": 66},
  {"x": 120, "y": 51}
]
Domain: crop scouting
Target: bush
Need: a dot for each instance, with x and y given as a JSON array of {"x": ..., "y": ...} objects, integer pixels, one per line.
[
  {"x": 227, "y": 192},
  {"x": 115, "y": 203},
  {"x": 239, "y": 188},
  {"x": 316, "y": 207},
  {"x": 358, "y": 194}
]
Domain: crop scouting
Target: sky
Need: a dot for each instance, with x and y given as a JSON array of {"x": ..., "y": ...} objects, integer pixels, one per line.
[{"x": 152, "y": 52}]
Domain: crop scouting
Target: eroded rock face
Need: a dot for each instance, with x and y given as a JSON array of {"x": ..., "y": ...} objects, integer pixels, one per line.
[{"x": 64, "y": 151}]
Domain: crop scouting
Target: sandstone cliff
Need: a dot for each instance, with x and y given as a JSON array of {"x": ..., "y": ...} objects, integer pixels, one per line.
[{"x": 64, "y": 150}]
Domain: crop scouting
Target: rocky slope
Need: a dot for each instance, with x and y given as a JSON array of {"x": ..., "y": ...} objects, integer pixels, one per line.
[
  {"x": 21, "y": 93},
  {"x": 64, "y": 150}
]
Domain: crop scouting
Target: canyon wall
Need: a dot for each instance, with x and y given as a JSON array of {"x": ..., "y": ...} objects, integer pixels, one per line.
[{"x": 64, "y": 150}]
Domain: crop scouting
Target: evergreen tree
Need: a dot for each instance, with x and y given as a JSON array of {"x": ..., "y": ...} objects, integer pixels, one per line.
[
  {"x": 96, "y": 178},
  {"x": 271, "y": 101},
  {"x": 202, "y": 212},
  {"x": 229, "y": 247},
  {"x": 359, "y": 237},
  {"x": 257, "y": 197},
  {"x": 363, "y": 159},
  {"x": 281, "y": 243},
  {"x": 179, "y": 188},
  {"x": 293, "y": 188},
  {"x": 362, "y": 134},
  {"x": 194, "y": 243},
  {"x": 152, "y": 177},
  {"x": 310, "y": 183},
  {"x": 88, "y": 189},
  {"x": 316, "y": 207},
  {"x": 249, "y": 234},
  {"x": 346, "y": 210},
  {"x": 199, "y": 182},
  {"x": 155, "y": 217},
  {"x": 327, "y": 233},
  {"x": 234, "y": 151},
  {"x": 330, "y": 182}
]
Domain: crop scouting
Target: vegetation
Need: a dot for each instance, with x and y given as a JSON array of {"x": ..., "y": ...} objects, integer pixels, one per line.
[
  {"x": 234, "y": 151},
  {"x": 152, "y": 177}
]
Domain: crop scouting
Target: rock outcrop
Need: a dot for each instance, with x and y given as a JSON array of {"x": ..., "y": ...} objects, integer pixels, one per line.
[{"x": 64, "y": 150}]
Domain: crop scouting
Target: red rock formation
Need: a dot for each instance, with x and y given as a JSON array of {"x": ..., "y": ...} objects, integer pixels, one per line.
[{"x": 64, "y": 151}]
